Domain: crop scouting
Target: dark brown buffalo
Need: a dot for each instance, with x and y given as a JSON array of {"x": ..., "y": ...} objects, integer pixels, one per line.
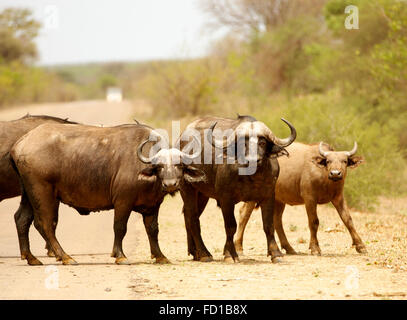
[
  {"x": 10, "y": 132},
  {"x": 92, "y": 168},
  {"x": 311, "y": 175},
  {"x": 225, "y": 184}
]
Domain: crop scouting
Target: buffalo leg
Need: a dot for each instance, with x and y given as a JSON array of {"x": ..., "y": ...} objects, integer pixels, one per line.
[
  {"x": 50, "y": 253},
  {"x": 313, "y": 223},
  {"x": 278, "y": 223},
  {"x": 267, "y": 215},
  {"x": 229, "y": 251},
  {"x": 23, "y": 219},
  {"x": 245, "y": 213},
  {"x": 196, "y": 247},
  {"x": 192, "y": 228},
  {"x": 121, "y": 217},
  {"x": 342, "y": 208},
  {"x": 151, "y": 225},
  {"x": 44, "y": 217},
  {"x": 202, "y": 202},
  {"x": 190, "y": 239},
  {"x": 48, "y": 247}
]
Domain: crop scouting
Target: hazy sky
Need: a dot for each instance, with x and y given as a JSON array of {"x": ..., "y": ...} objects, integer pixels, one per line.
[{"x": 117, "y": 30}]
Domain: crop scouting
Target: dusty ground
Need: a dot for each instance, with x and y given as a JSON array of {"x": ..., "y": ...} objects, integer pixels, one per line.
[{"x": 340, "y": 273}]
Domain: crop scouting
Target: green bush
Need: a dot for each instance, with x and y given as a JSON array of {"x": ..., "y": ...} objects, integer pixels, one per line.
[
  {"x": 11, "y": 80},
  {"x": 25, "y": 84},
  {"x": 181, "y": 88}
]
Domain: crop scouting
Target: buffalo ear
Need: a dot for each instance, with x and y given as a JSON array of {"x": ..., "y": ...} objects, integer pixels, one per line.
[
  {"x": 148, "y": 174},
  {"x": 319, "y": 161},
  {"x": 276, "y": 151},
  {"x": 192, "y": 174},
  {"x": 354, "y": 161}
]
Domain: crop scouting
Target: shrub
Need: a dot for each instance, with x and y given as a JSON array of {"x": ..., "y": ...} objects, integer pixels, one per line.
[{"x": 181, "y": 88}]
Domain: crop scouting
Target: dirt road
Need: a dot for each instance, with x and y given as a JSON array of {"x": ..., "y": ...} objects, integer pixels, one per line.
[{"x": 340, "y": 273}]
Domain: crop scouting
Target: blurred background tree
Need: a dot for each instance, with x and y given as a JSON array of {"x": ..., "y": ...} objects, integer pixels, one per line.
[
  {"x": 20, "y": 82},
  {"x": 18, "y": 31},
  {"x": 249, "y": 17},
  {"x": 182, "y": 88}
]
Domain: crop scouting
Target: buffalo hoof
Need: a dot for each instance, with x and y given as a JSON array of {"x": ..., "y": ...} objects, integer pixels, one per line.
[
  {"x": 315, "y": 250},
  {"x": 275, "y": 254},
  {"x": 239, "y": 249},
  {"x": 240, "y": 252},
  {"x": 50, "y": 253},
  {"x": 276, "y": 259},
  {"x": 69, "y": 262},
  {"x": 361, "y": 249},
  {"x": 122, "y": 261},
  {"x": 206, "y": 259},
  {"x": 229, "y": 259},
  {"x": 33, "y": 261},
  {"x": 162, "y": 260},
  {"x": 290, "y": 250}
]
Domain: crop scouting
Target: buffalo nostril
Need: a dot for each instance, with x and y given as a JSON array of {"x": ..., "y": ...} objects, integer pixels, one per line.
[
  {"x": 335, "y": 175},
  {"x": 170, "y": 185}
]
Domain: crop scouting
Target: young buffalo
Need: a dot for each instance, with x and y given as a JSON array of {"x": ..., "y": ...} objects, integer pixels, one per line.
[
  {"x": 311, "y": 175},
  {"x": 92, "y": 169}
]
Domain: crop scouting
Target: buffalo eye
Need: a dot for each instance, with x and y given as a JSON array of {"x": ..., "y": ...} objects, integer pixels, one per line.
[
  {"x": 262, "y": 143},
  {"x": 149, "y": 173}
]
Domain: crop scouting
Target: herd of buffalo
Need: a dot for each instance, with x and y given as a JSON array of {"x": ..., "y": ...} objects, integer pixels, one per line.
[{"x": 48, "y": 160}]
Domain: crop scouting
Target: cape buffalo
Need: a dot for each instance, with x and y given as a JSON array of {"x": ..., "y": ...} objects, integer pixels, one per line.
[
  {"x": 10, "y": 132},
  {"x": 93, "y": 168},
  {"x": 229, "y": 185},
  {"x": 311, "y": 175}
]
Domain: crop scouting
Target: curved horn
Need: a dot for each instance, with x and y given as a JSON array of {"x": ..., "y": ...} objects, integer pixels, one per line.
[
  {"x": 287, "y": 141},
  {"x": 194, "y": 155},
  {"x": 322, "y": 152},
  {"x": 353, "y": 151},
  {"x": 214, "y": 142},
  {"x": 140, "y": 155}
]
